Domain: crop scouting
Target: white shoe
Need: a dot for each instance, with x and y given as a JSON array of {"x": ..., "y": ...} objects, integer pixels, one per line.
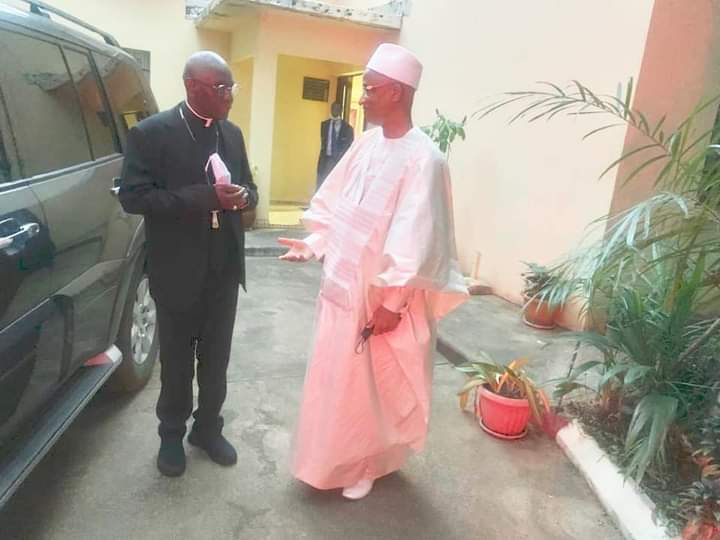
[{"x": 359, "y": 490}]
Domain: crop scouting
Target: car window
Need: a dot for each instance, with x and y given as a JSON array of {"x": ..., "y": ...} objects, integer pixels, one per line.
[
  {"x": 8, "y": 165},
  {"x": 42, "y": 105},
  {"x": 5, "y": 172},
  {"x": 97, "y": 119},
  {"x": 125, "y": 90}
]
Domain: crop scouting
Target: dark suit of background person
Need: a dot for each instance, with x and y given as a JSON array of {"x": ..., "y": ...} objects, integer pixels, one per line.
[{"x": 336, "y": 136}]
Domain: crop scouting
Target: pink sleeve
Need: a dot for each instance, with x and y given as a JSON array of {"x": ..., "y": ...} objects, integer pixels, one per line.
[
  {"x": 395, "y": 299},
  {"x": 318, "y": 216},
  {"x": 316, "y": 242}
]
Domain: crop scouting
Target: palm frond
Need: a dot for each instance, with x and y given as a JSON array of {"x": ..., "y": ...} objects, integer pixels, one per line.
[{"x": 647, "y": 435}]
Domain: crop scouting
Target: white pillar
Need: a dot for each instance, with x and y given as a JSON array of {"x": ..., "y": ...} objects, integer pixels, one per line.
[{"x": 261, "y": 127}]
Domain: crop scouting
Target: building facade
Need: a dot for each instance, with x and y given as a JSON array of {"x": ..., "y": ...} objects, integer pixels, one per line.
[{"x": 523, "y": 192}]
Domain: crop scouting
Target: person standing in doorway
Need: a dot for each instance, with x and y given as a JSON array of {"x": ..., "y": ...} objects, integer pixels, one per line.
[
  {"x": 186, "y": 171},
  {"x": 336, "y": 136}
]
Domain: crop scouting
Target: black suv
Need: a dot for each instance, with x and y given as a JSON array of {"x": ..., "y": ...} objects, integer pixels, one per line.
[{"x": 75, "y": 307}]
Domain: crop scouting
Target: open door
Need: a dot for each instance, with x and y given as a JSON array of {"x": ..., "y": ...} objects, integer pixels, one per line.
[{"x": 349, "y": 91}]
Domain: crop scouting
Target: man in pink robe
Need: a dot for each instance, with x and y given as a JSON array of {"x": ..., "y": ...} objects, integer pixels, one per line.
[{"x": 382, "y": 226}]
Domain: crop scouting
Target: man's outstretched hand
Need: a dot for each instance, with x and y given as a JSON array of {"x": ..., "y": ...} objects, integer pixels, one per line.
[{"x": 298, "y": 250}]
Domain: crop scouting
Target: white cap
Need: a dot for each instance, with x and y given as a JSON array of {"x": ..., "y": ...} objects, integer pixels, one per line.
[{"x": 397, "y": 63}]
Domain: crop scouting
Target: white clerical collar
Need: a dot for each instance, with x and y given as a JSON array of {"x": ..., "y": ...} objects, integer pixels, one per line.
[{"x": 208, "y": 121}]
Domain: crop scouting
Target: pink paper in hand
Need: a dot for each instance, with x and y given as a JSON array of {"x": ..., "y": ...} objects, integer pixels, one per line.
[{"x": 220, "y": 170}]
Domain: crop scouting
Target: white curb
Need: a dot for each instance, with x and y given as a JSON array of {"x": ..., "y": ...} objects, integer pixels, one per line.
[{"x": 631, "y": 509}]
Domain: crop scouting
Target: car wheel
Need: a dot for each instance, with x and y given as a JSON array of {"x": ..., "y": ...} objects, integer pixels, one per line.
[{"x": 137, "y": 336}]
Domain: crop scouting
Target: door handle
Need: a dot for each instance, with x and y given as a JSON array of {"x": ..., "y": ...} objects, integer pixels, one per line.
[
  {"x": 27, "y": 230},
  {"x": 115, "y": 189}
]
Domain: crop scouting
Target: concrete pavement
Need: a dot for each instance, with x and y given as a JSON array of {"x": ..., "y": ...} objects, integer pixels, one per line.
[{"x": 100, "y": 481}]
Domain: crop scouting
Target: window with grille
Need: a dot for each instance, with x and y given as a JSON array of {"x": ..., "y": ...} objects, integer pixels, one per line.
[{"x": 316, "y": 89}]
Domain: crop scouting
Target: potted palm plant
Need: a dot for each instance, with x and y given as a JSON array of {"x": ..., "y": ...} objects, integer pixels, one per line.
[
  {"x": 538, "y": 310},
  {"x": 650, "y": 278},
  {"x": 505, "y": 397}
]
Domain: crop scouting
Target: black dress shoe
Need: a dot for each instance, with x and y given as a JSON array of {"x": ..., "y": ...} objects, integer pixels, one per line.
[
  {"x": 217, "y": 447},
  {"x": 171, "y": 457}
]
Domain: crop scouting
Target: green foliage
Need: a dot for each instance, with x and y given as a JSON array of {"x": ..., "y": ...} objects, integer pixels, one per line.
[
  {"x": 654, "y": 270},
  {"x": 505, "y": 380},
  {"x": 444, "y": 131},
  {"x": 644, "y": 364},
  {"x": 701, "y": 501},
  {"x": 708, "y": 443},
  {"x": 539, "y": 281}
]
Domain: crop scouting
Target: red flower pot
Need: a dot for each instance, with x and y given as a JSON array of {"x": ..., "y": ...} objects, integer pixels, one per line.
[
  {"x": 539, "y": 314},
  {"x": 503, "y": 417}
]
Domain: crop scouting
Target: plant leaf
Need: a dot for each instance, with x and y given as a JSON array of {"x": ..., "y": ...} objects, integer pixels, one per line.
[
  {"x": 598, "y": 130},
  {"x": 628, "y": 97},
  {"x": 627, "y": 155},
  {"x": 472, "y": 383},
  {"x": 647, "y": 433}
]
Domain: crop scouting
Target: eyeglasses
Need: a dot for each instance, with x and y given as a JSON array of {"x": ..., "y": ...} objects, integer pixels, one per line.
[
  {"x": 369, "y": 89},
  {"x": 222, "y": 90}
]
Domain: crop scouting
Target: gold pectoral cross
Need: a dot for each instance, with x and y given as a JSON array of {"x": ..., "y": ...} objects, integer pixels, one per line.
[{"x": 215, "y": 221}]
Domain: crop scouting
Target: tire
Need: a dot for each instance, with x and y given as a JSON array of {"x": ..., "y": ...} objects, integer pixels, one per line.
[{"x": 137, "y": 336}]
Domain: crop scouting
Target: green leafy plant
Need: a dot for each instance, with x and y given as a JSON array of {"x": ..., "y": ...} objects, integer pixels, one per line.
[
  {"x": 654, "y": 271},
  {"x": 509, "y": 381},
  {"x": 656, "y": 360},
  {"x": 444, "y": 131},
  {"x": 538, "y": 281},
  {"x": 707, "y": 453},
  {"x": 697, "y": 505},
  {"x": 700, "y": 504}
]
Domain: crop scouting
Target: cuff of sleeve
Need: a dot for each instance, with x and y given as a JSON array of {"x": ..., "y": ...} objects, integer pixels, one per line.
[
  {"x": 316, "y": 243},
  {"x": 396, "y": 298}
]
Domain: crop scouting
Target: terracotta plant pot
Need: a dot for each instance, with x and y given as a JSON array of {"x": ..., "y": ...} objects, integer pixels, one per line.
[
  {"x": 503, "y": 417},
  {"x": 539, "y": 314},
  {"x": 701, "y": 530}
]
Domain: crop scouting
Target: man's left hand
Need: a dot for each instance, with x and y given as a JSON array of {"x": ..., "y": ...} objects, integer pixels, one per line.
[{"x": 384, "y": 321}]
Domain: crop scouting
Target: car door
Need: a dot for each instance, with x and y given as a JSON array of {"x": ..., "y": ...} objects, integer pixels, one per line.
[
  {"x": 31, "y": 325},
  {"x": 70, "y": 154}
]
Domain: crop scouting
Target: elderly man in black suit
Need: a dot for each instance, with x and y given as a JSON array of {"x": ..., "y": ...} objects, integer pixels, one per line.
[{"x": 195, "y": 250}]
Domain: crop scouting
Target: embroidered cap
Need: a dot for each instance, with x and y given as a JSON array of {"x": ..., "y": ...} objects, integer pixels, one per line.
[{"x": 397, "y": 63}]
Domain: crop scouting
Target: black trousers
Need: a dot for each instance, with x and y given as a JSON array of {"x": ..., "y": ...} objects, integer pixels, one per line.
[
  {"x": 203, "y": 333},
  {"x": 325, "y": 166}
]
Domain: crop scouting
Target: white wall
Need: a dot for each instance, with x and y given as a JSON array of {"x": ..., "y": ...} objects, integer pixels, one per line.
[{"x": 523, "y": 192}]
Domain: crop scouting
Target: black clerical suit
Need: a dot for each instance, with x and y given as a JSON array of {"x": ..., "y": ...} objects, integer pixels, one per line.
[
  {"x": 334, "y": 142},
  {"x": 194, "y": 268}
]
